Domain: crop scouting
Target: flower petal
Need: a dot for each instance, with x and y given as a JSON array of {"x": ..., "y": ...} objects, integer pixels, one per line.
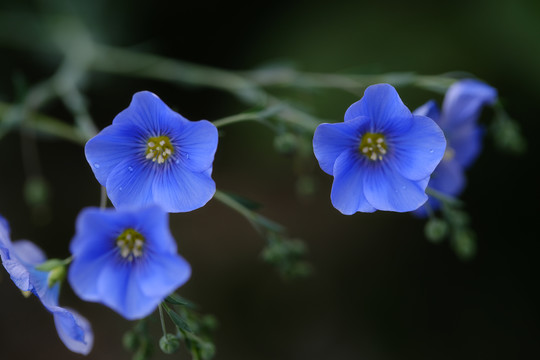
[
  {"x": 84, "y": 273},
  {"x": 330, "y": 140},
  {"x": 111, "y": 146},
  {"x": 448, "y": 178},
  {"x": 129, "y": 184},
  {"x": 91, "y": 241},
  {"x": 429, "y": 109},
  {"x": 18, "y": 273},
  {"x": 386, "y": 189},
  {"x": 179, "y": 190},
  {"x": 464, "y": 101},
  {"x": 148, "y": 112},
  {"x": 119, "y": 289},
  {"x": 160, "y": 274},
  {"x": 383, "y": 106},
  {"x": 196, "y": 145},
  {"x": 347, "y": 190},
  {"x": 416, "y": 152},
  {"x": 73, "y": 329},
  {"x": 466, "y": 143},
  {"x": 153, "y": 224},
  {"x": 28, "y": 252}
]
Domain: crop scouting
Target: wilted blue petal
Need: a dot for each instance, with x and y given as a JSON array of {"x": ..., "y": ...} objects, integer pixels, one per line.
[
  {"x": 330, "y": 140},
  {"x": 416, "y": 152},
  {"x": 28, "y": 252},
  {"x": 347, "y": 190},
  {"x": 386, "y": 189},
  {"x": 464, "y": 101},
  {"x": 73, "y": 329}
]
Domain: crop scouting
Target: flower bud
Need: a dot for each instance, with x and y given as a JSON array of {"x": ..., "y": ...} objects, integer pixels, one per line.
[
  {"x": 436, "y": 230},
  {"x": 169, "y": 343}
]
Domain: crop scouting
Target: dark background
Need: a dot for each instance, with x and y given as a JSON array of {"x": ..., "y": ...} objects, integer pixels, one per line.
[{"x": 379, "y": 289}]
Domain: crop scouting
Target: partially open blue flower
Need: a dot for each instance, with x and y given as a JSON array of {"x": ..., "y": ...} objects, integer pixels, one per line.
[
  {"x": 125, "y": 259},
  {"x": 381, "y": 157},
  {"x": 461, "y": 109},
  {"x": 152, "y": 155},
  {"x": 20, "y": 259}
]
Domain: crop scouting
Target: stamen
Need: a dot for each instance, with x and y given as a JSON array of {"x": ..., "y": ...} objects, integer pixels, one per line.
[
  {"x": 130, "y": 244},
  {"x": 159, "y": 149},
  {"x": 373, "y": 146}
]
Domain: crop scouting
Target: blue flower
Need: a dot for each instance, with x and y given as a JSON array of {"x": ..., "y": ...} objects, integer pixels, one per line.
[
  {"x": 125, "y": 259},
  {"x": 20, "y": 259},
  {"x": 381, "y": 157},
  {"x": 461, "y": 109},
  {"x": 152, "y": 155}
]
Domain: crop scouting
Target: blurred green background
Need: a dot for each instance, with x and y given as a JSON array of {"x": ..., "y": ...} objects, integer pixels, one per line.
[{"x": 379, "y": 289}]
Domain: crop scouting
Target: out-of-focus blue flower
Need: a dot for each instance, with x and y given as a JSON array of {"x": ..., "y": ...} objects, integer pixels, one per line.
[
  {"x": 20, "y": 259},
  {"x": 461, "y": 109},
  {"x": 152, "y": 155},
  {"x": 381, "y": 157},
  {"x": 125, "y": 259}
]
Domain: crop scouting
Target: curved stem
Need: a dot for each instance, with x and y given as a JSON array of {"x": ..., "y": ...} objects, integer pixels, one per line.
[
  {"x": 162, "y": 319},
  {"x": 443, "y": 197}
]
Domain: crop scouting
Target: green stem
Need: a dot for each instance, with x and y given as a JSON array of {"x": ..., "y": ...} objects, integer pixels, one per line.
[
  {"x": 236, "y": 119},
  {"x": 235, "y": 205},
  {"x": 162, "y": 319},
  {"x": 103, "y": 199},
  {"x": 443, "y": 197},
  {"x": 42, "y": 124},
  {"x": 67, "y": 261}
]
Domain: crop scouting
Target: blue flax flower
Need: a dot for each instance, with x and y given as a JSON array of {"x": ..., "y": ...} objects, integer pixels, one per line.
[
  {"x": 381, "y": 157},
  {"x": 125, "y": 259},
  {"x": 152, "y": 155},
  {"x": 461, "y": 109},
  {"x": 20, "y": 259}
]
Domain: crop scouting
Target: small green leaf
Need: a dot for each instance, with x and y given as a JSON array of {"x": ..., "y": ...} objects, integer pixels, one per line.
[
  {"x": 247, "y": 203},
  {"x": 50, "y": 265},
  {"x": 177, "y": 320},
  {"x": 176, "y": 299}
]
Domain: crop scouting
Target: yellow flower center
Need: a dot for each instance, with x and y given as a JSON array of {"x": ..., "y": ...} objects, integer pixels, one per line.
[
  {"x": 130, "y": 243},
  {"x": 159, "y": 149},
  {"x": 373, "y": 146}
]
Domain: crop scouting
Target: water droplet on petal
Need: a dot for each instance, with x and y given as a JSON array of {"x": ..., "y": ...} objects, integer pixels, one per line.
[
  {"x": 96, "y": 165},
  {"x": 187, "y": 156},
  {"x": 130, "y": 169},
  {"x": 431, "y": 151},
  {"x": 120, "y": 189},
  {"x": 177, "y": 161},
  {"x": 403, "y": 187}
]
